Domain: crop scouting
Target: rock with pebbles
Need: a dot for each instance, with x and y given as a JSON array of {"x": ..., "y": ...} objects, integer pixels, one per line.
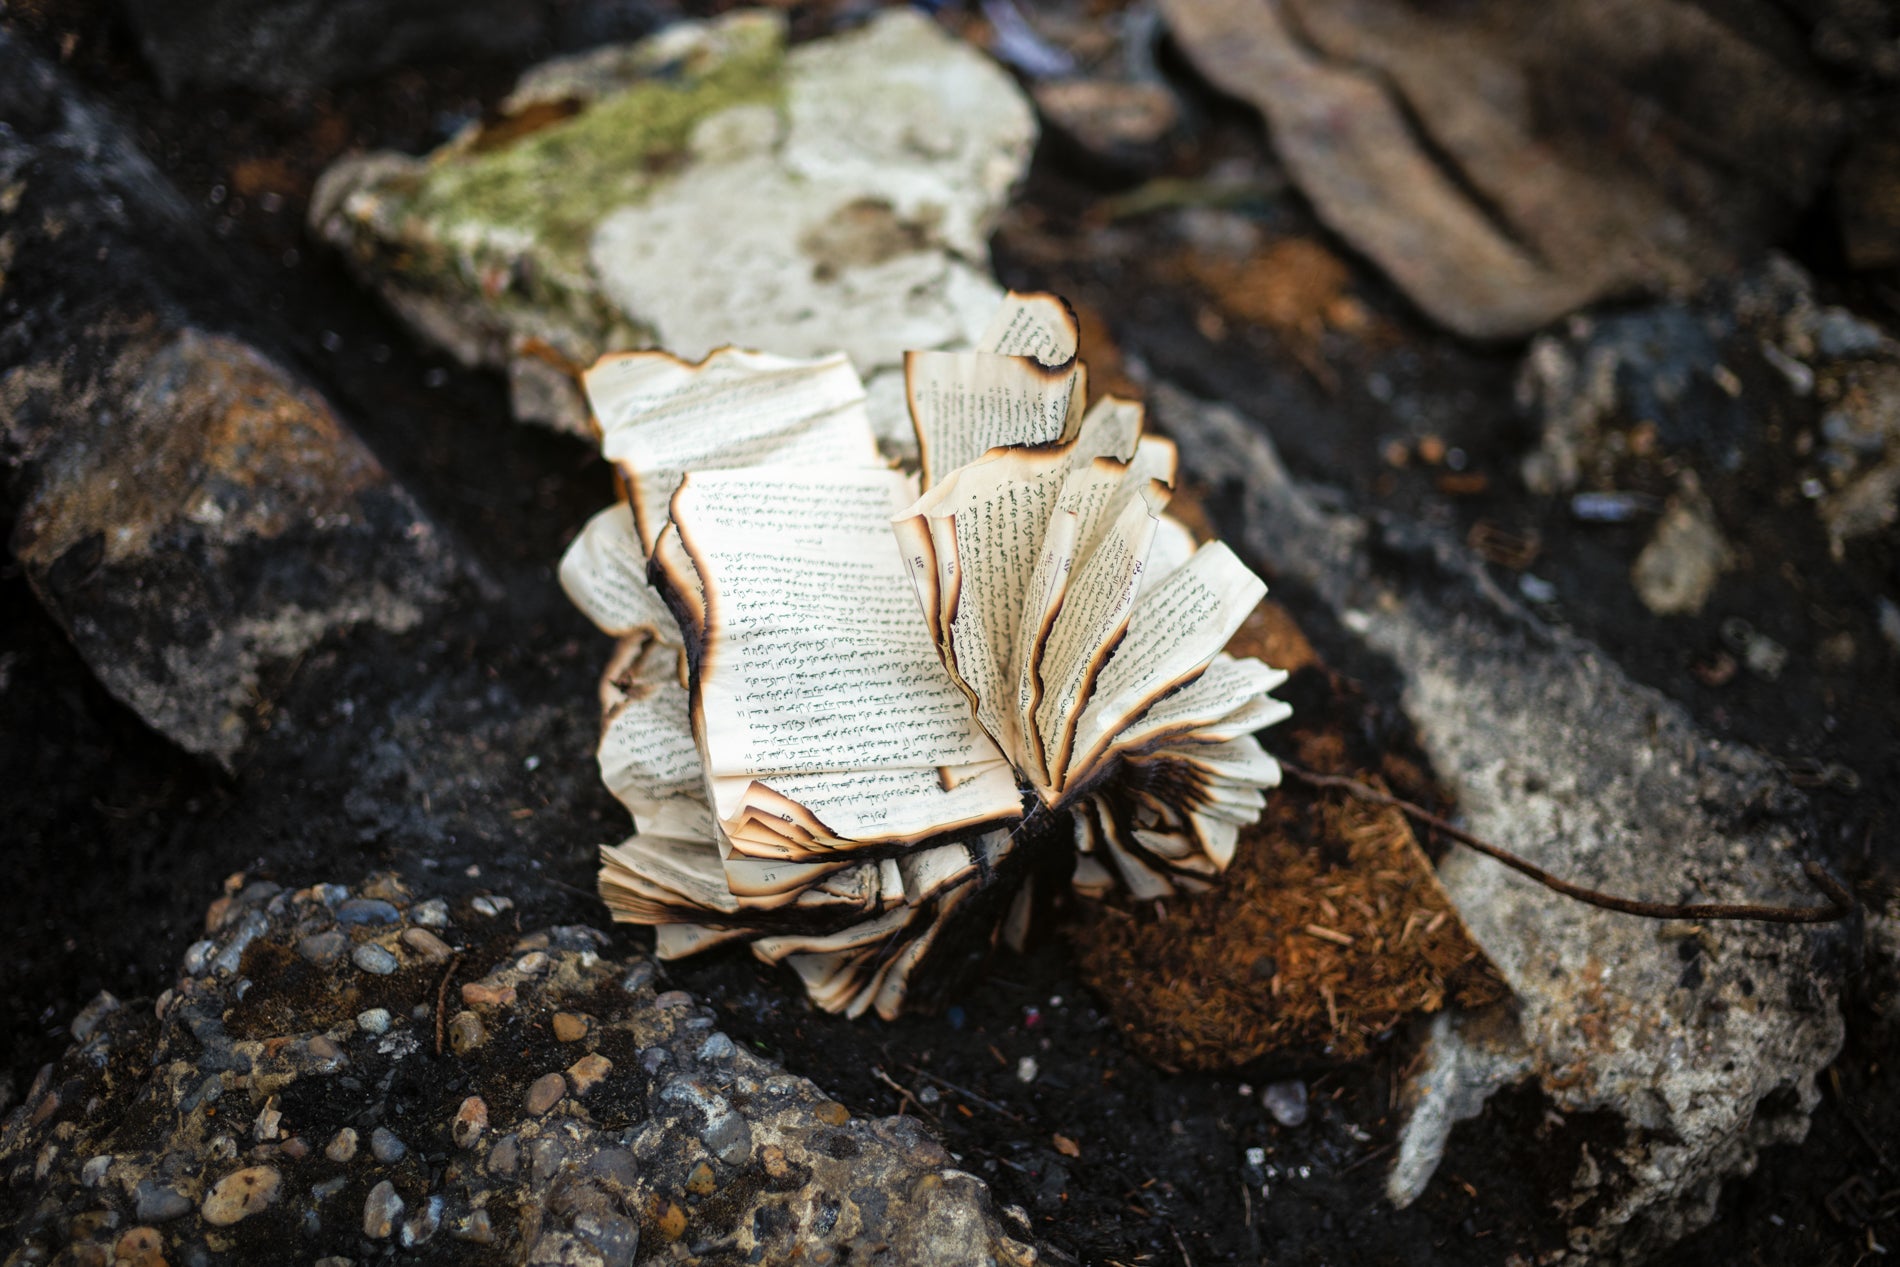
[
  {"x": 883, "y": 156},
  {"x": 189, "y": 509},
  {"x": 648, "y": 1135}
]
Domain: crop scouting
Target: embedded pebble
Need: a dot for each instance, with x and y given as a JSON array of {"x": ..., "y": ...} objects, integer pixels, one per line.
[
  {"x": 653, "y": 1059},
  {"x": 470, "y": 1121},
  {"x": 466, "y": 1033},
  {"x": 700, "y": 1183},
  {"x": 544, "y": 1093},
  {"x": 492, "y": 906},
  {"x": 588, "y": 1071},
  {"x": 1026, "y": 1069},
  {"x": 366, "y": 910},
  {"x": 474, "y": 1228},
  {"x": 480, "y": 993},
  {"x": 198, "y": 957},
  {"x": 154, "y": 1202},
  {"x": 433, "y": 913},
  {"x": 386, "y": 1146},
  {"x": 381, "y": 1209},
  {"x": 374, "y": 959},
  {"x": 140, "y": 1247},
  {"x": 421, "y": 1225},
  {"x": 533, "y": 963},
  {"x": 638, "y": 977},
  {"x": 569, "y": 1028},
  {"x": 93, "y": 1173},
  {"x": 716, "y": 1047},
  {"x": 241, "y": 1194},
  {"x": 1286, "y": 1102},
  {"x": 329, "y": 1187},
  {"x": 431, "y": 948},
  {"x": 832, "y": 1113},
  {"x": 342, "y": 1145},
  {"x": 504, "y": 1155},
  {"x": 373, "y": 1021},
  {"x": 92, "y": 1015},
  {"x": 332, "y": 895}
]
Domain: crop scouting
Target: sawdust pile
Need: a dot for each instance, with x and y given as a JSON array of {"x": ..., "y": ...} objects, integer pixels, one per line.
[{"x": 1330, "y": 928}]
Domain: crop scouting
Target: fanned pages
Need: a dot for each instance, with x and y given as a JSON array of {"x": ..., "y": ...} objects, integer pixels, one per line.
[{"x": 856, "y": 714}]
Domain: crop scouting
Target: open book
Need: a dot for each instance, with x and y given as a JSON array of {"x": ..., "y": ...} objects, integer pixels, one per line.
[{"x": 858, "y": 714}]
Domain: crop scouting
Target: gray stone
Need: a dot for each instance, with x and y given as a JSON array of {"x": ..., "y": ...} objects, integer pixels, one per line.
[
  {"x": 433, "y": 913},
  {"x": 189, "y": 510},
  {"x": 374, "y": 959},
  {"x": 373, "y": 1021},
  {"x": 323, "y": 948},
  {"x": 381, "y": 1208},
  {"x": 386, "y": 1146},
  {"x": 158, "y": 1202},
  {"x": 877, "y": 243},
  {"x": 1555, "y": 754},
  {"x": 361, "y": 910}
]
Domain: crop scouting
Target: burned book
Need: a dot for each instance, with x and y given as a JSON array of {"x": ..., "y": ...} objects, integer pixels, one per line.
[{"x": 859, "y": 714}]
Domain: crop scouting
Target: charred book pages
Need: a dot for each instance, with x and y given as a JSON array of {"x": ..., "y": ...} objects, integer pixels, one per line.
[{"x": 859, "y": 714}]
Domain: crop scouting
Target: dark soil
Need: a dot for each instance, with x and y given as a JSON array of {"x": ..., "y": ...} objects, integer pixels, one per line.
[{"x": 461, "y": 754}]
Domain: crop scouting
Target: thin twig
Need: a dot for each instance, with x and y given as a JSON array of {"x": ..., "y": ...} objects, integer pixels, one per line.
[
  {"x": 441, "y": 995},
  {"x": 1840, "y": 901},
  {"x": 972, "y": 1096}
]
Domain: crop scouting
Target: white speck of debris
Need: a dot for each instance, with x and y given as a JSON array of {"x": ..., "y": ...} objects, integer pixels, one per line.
[
  {"x": 1357, "y": 621},
  {"x": 1026, "y": 1069},
  {"x": 1800, "y": 377},
  {"x": 492, "y": 906},
  {"x": 1776, "y": 1220},
  {"x": 1890, "y": 622},
  {"x": 531, "y": 764},
  {"x": 1286, "y": 1101},
  {"x": 1246, "y": 1090},
  {"x": 1536, "y": 588},
  {"x": 928, "y": 1095},
  {"x": 1256, "y": 1156},
  {"x": 1812, "y": 489}
]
